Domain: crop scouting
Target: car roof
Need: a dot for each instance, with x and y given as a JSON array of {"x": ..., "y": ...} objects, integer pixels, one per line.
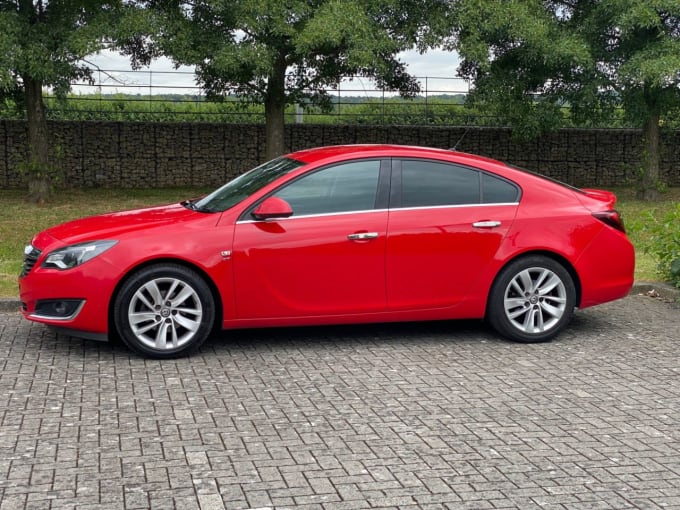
[{"x": 321, "y": 153}]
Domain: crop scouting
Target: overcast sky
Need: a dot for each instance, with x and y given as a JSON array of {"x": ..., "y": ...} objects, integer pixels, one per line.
[{"x": 438, "y": 66}]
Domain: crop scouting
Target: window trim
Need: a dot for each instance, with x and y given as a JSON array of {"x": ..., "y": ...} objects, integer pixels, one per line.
[{"x": 381, "y": 200}]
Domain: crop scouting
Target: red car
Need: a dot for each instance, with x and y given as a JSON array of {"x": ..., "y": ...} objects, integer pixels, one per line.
[{"x": 336, "y": 235}]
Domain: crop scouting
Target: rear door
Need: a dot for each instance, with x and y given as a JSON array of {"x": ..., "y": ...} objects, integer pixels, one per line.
[{"x": 446, "y": 223}]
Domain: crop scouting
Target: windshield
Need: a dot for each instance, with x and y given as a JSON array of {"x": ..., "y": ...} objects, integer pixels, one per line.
[{"x": 245, "y": 185}]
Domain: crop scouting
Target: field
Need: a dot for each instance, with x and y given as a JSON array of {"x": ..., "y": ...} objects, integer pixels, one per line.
[{"x": 19, "y": 220}]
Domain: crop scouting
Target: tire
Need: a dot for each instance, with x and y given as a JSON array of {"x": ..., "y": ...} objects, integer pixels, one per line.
[
  {"x": 531, "y": 300},
  {"x": 164, "y": 311}
]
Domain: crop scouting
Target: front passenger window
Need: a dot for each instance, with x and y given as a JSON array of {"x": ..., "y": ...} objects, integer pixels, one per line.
[{"x": 342, "y": 188}]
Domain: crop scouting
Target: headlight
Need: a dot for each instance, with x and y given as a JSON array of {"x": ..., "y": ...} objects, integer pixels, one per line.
[{"x": 76, "y": 254}]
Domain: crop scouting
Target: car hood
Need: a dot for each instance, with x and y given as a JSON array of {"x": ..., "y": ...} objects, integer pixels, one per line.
[{"x": 115, "y": 225}]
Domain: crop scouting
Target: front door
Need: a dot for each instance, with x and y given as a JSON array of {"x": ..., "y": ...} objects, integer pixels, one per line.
[{"x": 328, "y": 258}]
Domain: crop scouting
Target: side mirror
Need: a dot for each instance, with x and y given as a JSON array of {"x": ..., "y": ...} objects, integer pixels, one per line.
[{"x": 272, "y": 208}]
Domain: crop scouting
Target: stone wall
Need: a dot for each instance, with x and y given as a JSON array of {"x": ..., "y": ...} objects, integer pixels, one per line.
[{"x": 127, "y": 154}]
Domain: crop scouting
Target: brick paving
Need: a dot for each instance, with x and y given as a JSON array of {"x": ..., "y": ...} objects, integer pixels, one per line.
[{"x": 407, "y": 416}]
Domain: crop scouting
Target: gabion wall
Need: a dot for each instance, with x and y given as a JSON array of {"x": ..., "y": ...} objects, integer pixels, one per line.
[{"x": 131, "y": 154}]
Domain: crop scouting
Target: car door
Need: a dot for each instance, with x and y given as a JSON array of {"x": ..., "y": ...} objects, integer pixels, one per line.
[
  {"x": 328, "y": 258},
  {"x": 446, "y": 222}
]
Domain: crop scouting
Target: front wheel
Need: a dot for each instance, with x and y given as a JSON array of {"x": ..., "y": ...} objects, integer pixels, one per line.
[
  {"x": 164, "y": 311},
  {"x": 532, "y": 299}
]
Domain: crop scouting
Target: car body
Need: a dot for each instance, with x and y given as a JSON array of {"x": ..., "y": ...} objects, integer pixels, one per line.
[{"x": 336, "y": 235}]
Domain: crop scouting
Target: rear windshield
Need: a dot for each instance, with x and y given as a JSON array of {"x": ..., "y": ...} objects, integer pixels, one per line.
[{"x": 545, "y": 177}]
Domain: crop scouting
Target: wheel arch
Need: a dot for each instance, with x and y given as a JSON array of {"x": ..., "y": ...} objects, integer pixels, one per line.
[
  {"x": 564, "y": 262},
  {"x": 167, "y": 260}
]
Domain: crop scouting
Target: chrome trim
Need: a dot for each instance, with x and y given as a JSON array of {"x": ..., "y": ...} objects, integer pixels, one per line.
[
  {"x": 486, "y": 224},
  {"x": 315, "y": 215},
  {"x": 51, "y": 318},
  {"x": 457, "y": 206},
  {"x": 362, "y": 236}
]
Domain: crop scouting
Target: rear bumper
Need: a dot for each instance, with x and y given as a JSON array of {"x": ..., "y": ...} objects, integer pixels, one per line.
[{"x": 606, "y": 268}]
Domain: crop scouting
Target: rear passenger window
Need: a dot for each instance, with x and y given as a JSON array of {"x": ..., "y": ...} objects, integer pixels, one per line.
[
  {"x": 498, "y": 191},
  {"x": 429, "y": 183}
]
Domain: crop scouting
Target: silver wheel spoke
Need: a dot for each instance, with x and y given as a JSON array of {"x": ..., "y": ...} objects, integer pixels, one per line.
[
  {"x": 517, "y": 313},
  {"x": 161, "y": 336},
  {"x": 140, "y": 295},
  {"x": 552, "y": 310},
  {"x": 525, "y": 278},
  {"x": 154, "y": 292},
  {"x": 171, "y": 290},
  {"x": 175, "y": 340},
  {"x": 512, "y": 303},
  {"x": 527, "y": 325},
  {"x": 137, "y": 318},
  {"x": 553, "y": 282},
  {"x": 184, "y": 294},
  {"x": 539, "y": 326},
  {"x": 187, "y": 323},
  {"x": 516, "y": 286}
]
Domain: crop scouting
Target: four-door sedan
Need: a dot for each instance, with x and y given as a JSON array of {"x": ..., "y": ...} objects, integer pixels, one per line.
[{"x": 336, "y": 235}]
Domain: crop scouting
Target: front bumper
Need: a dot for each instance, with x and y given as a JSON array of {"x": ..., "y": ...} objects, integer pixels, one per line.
[{"x": 76, "y": 299}]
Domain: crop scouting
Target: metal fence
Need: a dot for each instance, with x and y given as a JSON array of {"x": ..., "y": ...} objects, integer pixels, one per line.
[
  {"x": 156, "y": 95},
  {"x": 152, "y": 95}
]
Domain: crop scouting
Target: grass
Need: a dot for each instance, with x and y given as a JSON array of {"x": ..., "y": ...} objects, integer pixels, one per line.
[
  {"x": 635, "y": 213},
  {"x": 20, "y": 221}
]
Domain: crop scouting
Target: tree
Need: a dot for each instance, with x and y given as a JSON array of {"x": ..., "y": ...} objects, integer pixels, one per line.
[
  {"x": 280, "y": 53},
  {"x": 528, "y": 58},
  {"x": 42, "y": 44}
]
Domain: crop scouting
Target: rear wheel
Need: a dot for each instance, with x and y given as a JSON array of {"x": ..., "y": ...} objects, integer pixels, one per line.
[
  {"x": 164, "y": 311},
  {"x": 532, "y": 299}
]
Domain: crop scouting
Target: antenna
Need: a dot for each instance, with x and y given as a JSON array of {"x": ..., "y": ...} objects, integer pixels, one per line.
[{"x": 455, "y": 147}]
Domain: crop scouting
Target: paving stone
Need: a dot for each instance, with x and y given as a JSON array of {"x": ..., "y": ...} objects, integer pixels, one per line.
[{"x": 434, "y": 416}]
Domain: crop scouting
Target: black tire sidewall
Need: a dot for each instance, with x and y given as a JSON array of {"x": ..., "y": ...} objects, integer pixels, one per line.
[
  {"x": 496, "y": 310},
  {"x": 143, "y": 276}
]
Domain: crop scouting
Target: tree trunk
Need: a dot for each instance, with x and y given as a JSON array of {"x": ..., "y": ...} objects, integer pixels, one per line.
[
  {"x": 39, "y": 185},
  {"x": 649, "y": 182},
  {"x": 274, "y": 109}
]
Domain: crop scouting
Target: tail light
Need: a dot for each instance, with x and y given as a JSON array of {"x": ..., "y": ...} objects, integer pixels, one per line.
[{"x": 611, "y": 218}]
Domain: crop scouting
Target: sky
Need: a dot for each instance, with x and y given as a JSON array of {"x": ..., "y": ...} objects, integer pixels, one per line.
[{"x": 438, "y": 66}]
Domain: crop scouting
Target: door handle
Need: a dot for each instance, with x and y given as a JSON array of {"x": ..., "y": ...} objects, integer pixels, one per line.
[
  {"x": 362, "y": 236},
  {"x": 486, "y": 224}
]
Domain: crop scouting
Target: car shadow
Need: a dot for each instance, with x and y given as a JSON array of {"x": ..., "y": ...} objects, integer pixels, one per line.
[
  {"x": 412, "y": 334},
  {"x": 380, "y": 333}
]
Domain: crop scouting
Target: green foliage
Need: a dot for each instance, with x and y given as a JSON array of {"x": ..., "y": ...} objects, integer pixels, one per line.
[
  {"x": 664, "y": 242},
  {"x": 282, "y": 53},
  {"x": 46, "y": 41},
  {"x": 439, "y": 110},
  {"x": 593, "y": 55},
  {"x": 241, "y": 45}
]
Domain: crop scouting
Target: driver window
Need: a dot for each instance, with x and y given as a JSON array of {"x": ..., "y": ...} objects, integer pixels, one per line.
[{"x": 342, "y": 188}]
